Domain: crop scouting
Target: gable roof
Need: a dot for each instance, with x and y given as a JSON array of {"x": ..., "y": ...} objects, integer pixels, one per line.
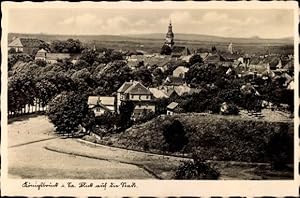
[
  {"x": 101, "y": 101},
  {"x": 26, "y": 42},
  {"x": 172, "y": 105},
  {"x": 138, "y": 88},
  {"x": 158, "y": 93},
  {"x": 124, "y": 87}
]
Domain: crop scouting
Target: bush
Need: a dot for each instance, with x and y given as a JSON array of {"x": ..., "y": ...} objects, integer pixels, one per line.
[
  {"x": 196, "y": 170},
  {"x": 146, "y": 116},
  {"x": 280, "y": 148},
  {"x": 174, "y": 135},
  {"x": 41, "y": 62}
]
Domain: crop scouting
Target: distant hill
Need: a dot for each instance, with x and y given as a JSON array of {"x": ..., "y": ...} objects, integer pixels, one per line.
[
  {"x": 154, "y": 37},
  {"x": 209, "y": 38}
]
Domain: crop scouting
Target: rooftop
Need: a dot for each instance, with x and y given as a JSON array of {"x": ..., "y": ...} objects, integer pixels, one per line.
[{"x": 172, "y": 105}]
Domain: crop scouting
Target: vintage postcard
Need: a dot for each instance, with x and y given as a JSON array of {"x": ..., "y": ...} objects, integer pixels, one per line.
[{"x": 149, "y": 99}]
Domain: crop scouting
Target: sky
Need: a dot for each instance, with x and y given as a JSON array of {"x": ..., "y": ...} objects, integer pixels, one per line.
[{"x": 276, "y": 23}]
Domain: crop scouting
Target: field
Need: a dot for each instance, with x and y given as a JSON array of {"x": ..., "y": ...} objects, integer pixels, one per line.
[{"x": 152, "y": 43}]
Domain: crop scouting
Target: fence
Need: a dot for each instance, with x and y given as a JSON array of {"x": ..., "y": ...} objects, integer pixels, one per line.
[{"x": 28, "y": 109}]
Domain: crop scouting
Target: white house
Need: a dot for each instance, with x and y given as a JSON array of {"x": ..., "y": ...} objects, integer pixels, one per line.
[
  {"x": 171, "y": 108},
  {"x": 101, "y": 104},
  {"x": 137, "y": 93}
]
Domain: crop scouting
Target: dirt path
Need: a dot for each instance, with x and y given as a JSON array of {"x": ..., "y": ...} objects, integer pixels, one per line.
[{"x": 28, "y": 158}]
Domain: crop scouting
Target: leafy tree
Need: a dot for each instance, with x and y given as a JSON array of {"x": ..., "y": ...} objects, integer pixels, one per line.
[
  {"x": 280, "y": 148},
  {"x": 21, "y": 91},
  {"x": 89, "y": 56},
  {"x": 166, "y": 50},
  {"x": 107, "y": 120},
  {"x": 81, "y": 74},
  {"x": 195, "y": 59},
  {"x": 67, "y": 46},
  {"x": 14, "y": 58},
  {"x": 126, "y": 110},
  {"x": 161, "y": 105},
  {"x": 45, "y": 91},
  {"x": 143, "y": 75},
  {"x": 174, "y": 135},
  {"x": 67, "y": 111},
  {"x": 12, "y": 51}
]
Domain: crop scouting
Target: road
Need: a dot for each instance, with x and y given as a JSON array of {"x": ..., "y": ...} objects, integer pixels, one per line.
[{"x": 28, "y": 158}]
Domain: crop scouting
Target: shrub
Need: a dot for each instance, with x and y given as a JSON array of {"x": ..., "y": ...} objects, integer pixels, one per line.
[
  {"x": 146, "y": 116},
  {"x": 174, "y": 135},
  {"x": 41, "y": 63},
  {"x": 280, "y": 148},
  {"x": 196, "y": 170}
]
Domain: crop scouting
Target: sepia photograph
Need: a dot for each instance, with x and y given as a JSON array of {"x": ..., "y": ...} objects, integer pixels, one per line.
[{"x": 141, "y": 93}]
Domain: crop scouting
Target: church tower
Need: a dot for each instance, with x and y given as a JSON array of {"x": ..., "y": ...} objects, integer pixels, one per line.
[{"x": 170, "y": 36}]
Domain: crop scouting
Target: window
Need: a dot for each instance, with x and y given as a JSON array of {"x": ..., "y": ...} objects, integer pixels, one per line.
[
  {"x": 139, "y": 105},
  {"x": 147, "y": 97},
  {"x": 132, "y": 96},
  {"x": 140, "y": 97}
]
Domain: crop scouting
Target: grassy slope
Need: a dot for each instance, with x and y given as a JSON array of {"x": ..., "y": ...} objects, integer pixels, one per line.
[{"x": 217, "y": 137}]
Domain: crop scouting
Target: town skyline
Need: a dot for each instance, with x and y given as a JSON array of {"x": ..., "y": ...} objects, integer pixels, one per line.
[{"x": 268, "y": 24}]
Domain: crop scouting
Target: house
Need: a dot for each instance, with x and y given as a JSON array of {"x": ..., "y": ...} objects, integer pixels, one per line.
[
  {"x": 101, "y": 104},
  {"x": 137, "y": 93},
  {"x": 172, "y": 108},
  {"x": 180, "y": 71},
  {"x": 173, "y": 81},
  {"x": 26, "y": 45},
  {"x": 51, "y": 57}
]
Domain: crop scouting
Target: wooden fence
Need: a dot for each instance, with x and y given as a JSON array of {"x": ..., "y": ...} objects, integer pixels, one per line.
[{"x": 28, "y": 109}]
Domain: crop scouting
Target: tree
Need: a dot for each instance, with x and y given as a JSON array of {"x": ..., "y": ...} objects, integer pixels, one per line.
[
  {"x": 195, "y": 59},
  {"x": 21, "y": 91},
  {"x": 280, "y": 148},
  {"x": 107, "y": 120},
  {"x": 143, "y": 75},
  {"x": 126, "y": 110},
  {"x": 174, "y": 135},
  {"x": 67, "y": 112},
  {"x": 12, "y": 51},
  {"x": 166, "y": 50},
  {"x": 89, "y": 56},
  {"x": 67, "y": 46},
  {"x": 45, "y": 91}
]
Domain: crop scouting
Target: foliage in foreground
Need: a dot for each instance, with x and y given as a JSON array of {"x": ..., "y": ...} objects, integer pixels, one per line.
[
  {"x": 281, "y": 148},
  {"x": 196, "y": 169}
]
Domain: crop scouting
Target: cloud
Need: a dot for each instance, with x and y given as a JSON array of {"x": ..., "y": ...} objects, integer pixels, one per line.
[{"x": 84, "y": 19}]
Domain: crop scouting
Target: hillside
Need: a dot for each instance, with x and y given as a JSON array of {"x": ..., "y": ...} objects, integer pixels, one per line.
[{"x": 216, "y": 137}]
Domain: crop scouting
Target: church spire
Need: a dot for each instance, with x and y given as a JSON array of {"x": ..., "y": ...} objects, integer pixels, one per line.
[{"x": 170, "y": 36}]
